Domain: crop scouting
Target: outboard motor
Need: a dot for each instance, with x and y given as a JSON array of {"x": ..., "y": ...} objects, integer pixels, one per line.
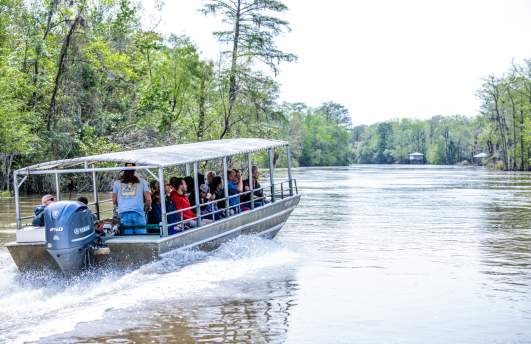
[{"x": 69, "y": 233}]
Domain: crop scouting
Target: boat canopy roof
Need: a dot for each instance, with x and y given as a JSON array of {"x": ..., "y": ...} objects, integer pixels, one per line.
[{"x": 167, "y": 155}]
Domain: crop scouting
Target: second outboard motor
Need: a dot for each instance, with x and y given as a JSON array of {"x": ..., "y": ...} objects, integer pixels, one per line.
[{"x": 69, "y": 233}]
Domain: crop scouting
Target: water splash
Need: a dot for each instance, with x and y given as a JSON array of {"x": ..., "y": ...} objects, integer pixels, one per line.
[{"x": 39, "y": 306}]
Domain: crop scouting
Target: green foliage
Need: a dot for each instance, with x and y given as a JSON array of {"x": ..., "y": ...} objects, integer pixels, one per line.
[
  {"x": 442, "y": 140},
  {"x": 83, "y": 77},
  {"x": 505, "y": 111},
  {"x": 316, "y": 138}
]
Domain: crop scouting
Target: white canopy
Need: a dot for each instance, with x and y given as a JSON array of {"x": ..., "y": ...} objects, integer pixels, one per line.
[
  {"x": 168, "y": 155},
  {"x": 481, "y": 155}
]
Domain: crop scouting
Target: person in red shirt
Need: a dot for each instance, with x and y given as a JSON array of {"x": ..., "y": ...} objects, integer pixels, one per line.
[{"x": 179, "y": 199}]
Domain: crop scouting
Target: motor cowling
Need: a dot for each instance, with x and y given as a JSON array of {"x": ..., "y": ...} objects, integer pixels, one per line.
[{"x": 69, "y": 232}]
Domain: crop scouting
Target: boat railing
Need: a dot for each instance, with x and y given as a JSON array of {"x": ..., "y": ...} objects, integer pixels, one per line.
[
  {"x": 269, "y": 195},
  {"x": 238, "y": 208}
]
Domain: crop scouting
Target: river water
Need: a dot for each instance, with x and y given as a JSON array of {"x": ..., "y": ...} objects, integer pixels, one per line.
[{"x": 373, "y": 254}]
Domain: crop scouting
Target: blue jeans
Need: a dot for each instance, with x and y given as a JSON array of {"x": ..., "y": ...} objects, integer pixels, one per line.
[{"x": 136, "y": 222}]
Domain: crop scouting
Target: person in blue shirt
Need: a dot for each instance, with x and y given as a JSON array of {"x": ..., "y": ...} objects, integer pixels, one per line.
[
  {"x": 235, "y": 186},
  {"x": 131, "y": 196}
]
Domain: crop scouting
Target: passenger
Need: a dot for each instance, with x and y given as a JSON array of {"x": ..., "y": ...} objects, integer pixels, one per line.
[
  {"x": 189, "y": 180},
  {"x": 132, "y": 198},
  {"x": 179, "y": 199},
  {"x": 97, "y": 223},
  {"x": 208, "y": 211},
  {"x": 83, "y": 199},
  {"x": 191, "y": 186},
  {"x": 217, "y": 192},
  {"x": 38, "y": 220},
  {"x": 155, "y": 215},
  {"x": 259, "y": 199},
  {"x": 210, "y": 176},
  {"x": 234, "y": 187}
]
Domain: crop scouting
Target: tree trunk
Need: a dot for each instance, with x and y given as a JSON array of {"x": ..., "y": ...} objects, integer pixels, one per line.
[
  {"x": 61, "y": 69},
  {"x": 233, "y": 72},
  {"x": 501, "y": 128},
  {"x": 36, "y": 70},
  {"x": 514, "y": 132},
  {"x": 7, "y": 164},
  {"x": 202, "y": 110},
  {"x": 522, "y": 162}
]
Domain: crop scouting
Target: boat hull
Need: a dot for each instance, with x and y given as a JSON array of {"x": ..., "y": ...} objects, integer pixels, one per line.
[{"x": 132, "y": 251}]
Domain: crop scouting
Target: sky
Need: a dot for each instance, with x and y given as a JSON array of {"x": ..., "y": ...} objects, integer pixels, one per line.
[{"x": 382, "y": 59}]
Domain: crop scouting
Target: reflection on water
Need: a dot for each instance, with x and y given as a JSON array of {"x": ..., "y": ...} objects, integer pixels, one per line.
[{"x": 406, "y": 254}]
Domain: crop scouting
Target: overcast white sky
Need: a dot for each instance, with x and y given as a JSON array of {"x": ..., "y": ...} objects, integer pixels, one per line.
[{"x": 383, "y": 59}]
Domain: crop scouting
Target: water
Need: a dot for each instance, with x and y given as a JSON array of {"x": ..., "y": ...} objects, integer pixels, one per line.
[{"x": 373, "y": 254}]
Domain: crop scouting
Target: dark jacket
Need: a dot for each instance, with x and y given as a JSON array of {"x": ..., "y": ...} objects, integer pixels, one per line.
[
  {"x": 155, "y": 214},
  {"x": 257, "y": 193},
  {"x": 38, "y": 220}
]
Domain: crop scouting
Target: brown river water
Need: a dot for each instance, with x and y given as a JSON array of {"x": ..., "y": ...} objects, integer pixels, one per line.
[{"x": 373, "y": 254}]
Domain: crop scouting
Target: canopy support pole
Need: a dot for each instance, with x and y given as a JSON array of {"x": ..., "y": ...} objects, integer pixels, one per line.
[
  {"x": 196, "y": 194},
  {"x": 271, "y": 178},
  {"x": 17, "y": 205},
  {"x": 57, "y": 190},
  {"x": 152, "y": 174},
  {"x": 95, "y": 193},
  {"x": 251, "y": 181},
  {"x": 226, "y": 187},
  {"x": 164, "y": 218},
  {"x": 187, "y": 169},
  {"x": 289, "y": 172}
]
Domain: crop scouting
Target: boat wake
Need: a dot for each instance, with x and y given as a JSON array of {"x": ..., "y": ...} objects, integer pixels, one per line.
[{"x": 40, "y": 305}]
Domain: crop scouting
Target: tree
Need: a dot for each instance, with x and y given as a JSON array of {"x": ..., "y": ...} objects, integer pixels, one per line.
[{"x": 251, "y": 32}]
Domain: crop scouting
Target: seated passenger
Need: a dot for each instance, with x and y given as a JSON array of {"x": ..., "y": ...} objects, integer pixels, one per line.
[
  {"x": 155, "y": 215},
  {"x": 208, "y": 211},
  {"x": 83, "y": 199},
  {"x": 235, "y": 187},
  {"x": 179, "y": 199},
  {"x": 38, "y": 220},
  {"x": 217, "y": 192},
  {"x": 132, "y": 198},
  {"x": 189, "y": 180},
  {"x": 99, "y": 224},
  {"x": 259, "y": 199},
  {"x": 191, "y": 186},
  {"x": 210, "y": 176}
]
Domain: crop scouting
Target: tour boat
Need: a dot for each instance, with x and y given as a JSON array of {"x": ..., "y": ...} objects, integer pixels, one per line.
[{"x": 68, "y": 241}]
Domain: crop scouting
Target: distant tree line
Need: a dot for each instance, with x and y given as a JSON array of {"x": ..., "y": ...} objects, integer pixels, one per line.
[
  {"x": 443, "y": 140},
  {"x": 502, "y": 130}
]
